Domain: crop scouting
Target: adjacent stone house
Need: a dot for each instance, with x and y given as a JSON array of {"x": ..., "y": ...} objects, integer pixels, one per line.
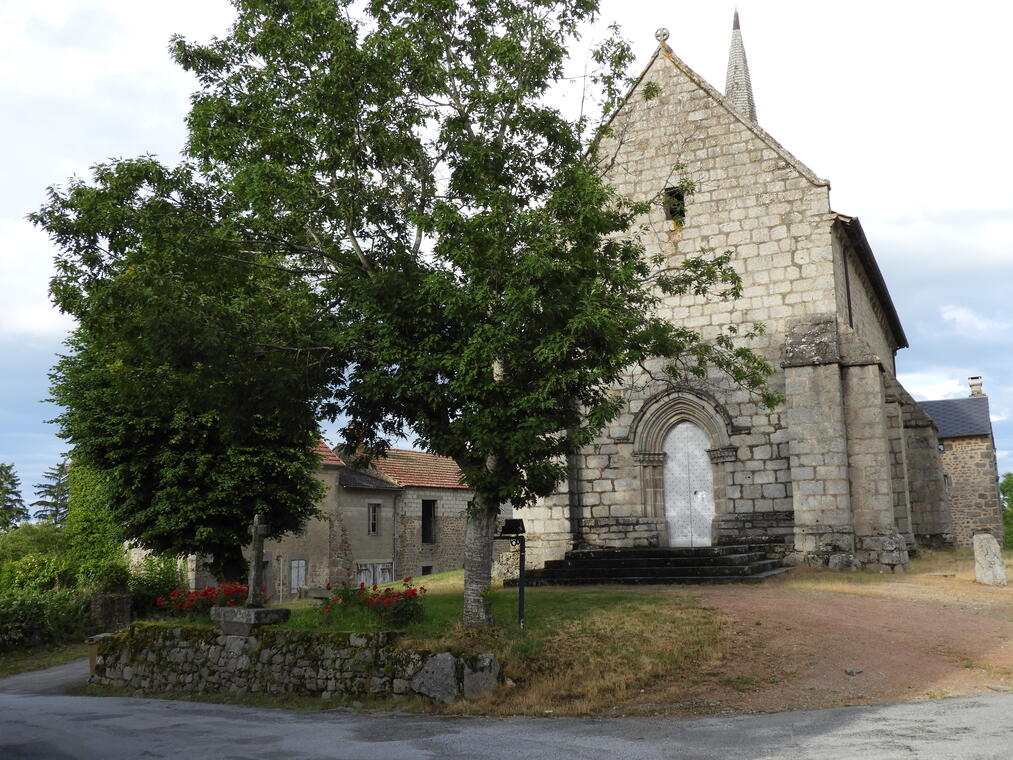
[
  {"x": 846, "y": 472},
  {"x": 403, "y": 517},
  {"x": 968, "y": 458}
]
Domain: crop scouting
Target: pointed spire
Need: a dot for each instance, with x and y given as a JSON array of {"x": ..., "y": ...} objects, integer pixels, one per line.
[{"x": 738, "y": 88}]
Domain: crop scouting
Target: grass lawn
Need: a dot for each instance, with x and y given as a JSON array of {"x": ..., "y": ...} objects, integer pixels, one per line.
[
  {"x": 583, "y": 649},
  {"x": 37, "y": 658}
]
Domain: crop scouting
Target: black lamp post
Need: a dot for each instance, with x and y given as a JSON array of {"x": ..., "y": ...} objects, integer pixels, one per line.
[{"x": 513, "y": 529}]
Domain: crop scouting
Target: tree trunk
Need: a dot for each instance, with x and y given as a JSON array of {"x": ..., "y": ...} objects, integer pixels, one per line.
[{"x": 478, "y": 535}]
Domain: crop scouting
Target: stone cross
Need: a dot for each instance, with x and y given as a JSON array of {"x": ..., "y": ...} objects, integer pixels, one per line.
[{"x": 255, "y": 597}]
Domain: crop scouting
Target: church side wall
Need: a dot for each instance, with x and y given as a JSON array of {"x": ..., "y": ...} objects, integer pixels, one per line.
[{"x": 860, "y": 307}]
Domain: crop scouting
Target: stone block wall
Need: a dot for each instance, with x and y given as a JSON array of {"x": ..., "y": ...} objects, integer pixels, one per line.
[
  {"x": 151, "y": 657},
  {"x": 973, "y": 489},
  {"x": 447, "y": 552}
]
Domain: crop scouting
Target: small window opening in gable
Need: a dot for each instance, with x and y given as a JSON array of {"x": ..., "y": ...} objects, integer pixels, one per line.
[
  {"x": 373, "y": 518},
  {"x": 673, "y": 201},
  {"x": 429, "y": 521}
]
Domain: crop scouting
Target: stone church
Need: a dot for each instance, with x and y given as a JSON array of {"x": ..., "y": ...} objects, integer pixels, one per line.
[{"x": 846, "y": 472}]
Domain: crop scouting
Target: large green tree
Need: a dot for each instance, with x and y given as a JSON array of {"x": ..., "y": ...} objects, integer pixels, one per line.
[
  {"x": 12, "y": 505},
  {"x": 52, "y": 495},
  {"x": 174, "y": 389},
  {"x": 476, "y": 282}
]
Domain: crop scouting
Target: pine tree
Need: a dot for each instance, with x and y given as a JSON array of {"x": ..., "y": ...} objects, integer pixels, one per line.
[
  {"x": 12, "y": 506},
  {"x": 52, "y": 495}
]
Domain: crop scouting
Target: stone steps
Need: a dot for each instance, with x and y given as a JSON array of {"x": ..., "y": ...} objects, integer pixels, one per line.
[{"x": 742, "y": 563}]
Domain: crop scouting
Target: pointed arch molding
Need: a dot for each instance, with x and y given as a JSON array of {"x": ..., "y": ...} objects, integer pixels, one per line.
[
  {"x": 651, "y": 424},
  {"x": 658, "y": 414}
]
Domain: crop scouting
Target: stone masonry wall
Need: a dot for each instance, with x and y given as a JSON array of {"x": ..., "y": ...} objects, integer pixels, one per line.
[
  {"x": 750, "y": 196},
  {"x": 152, "y": 657},
  {"x": 974, "y": 497},
  {"x": 447, "y": 552}
]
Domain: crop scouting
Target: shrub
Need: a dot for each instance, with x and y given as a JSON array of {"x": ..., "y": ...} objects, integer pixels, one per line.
[
  {"x": 398, "y": 608},
  {"x": 38, "y": 572},
  {"x": 32, "y": 538},
  {"x": 103, "y": 576},
  {"x": 155, "y": 577},
  {"x": 33, "y": 618},
  {"x": 197, "y": 603}
]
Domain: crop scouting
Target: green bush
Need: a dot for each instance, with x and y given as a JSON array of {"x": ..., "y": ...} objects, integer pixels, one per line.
[
  {"x": 34, "y": 618},
  {"x": 155, "y": 577},
  {"x": 38, "y": 572},
  {"x": 31, "y": 538},
  {"x": 104, "y": 576}
]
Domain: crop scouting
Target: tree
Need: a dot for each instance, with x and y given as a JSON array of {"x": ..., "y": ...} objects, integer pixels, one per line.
[
  {"x": 172, "y": 389},
  {"x": 476, "y": 282},
  {"x": 12, "y": 505},
  {"x": 1006, "y": 497},
  {"x": 52, "y": 495}
]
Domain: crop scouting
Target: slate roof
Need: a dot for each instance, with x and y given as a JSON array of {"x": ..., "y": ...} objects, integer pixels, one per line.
[
  {"x": 327, "y": 455},
  {"x": 418, "y": 468},
  {"x": 350, "y": 478},
  {"x": 957, "y": 417}
]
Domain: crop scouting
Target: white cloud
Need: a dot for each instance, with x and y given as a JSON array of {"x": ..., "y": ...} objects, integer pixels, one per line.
[
  {"x": 931, "y": 385},
  {"x": 970, "y": 324},
  {"x": 26, "y": 260}
]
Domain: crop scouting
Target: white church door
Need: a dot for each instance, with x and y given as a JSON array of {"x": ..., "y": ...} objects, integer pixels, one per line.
[{"x": 689, "y": 486}]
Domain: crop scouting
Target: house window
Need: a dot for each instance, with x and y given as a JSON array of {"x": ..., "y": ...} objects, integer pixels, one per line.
[
  {"x": 673, "y": 200},
  {"x": 297, "y": 575},
  {"x": 427, "y": 570},
  {"x": 429, "y": 521},
  {"x": 373, "y": 519}
]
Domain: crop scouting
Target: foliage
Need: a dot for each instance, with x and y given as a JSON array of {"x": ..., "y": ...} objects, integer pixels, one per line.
[
  {"x": 154, "y": 577},
  {"x": 398, "y": 608},
  {"x": 198, "y": 602},
  {"x": 93, "y": 535},
  {"x": 12, "y": 505},
  {"x": 30, "y": 619},
  {"x": 172, "y": 387},
  {"x": 52, "y": 496},
  {"x": 384, "y": 216},
  {"x": 1006, "y": 496},
  {"x": 37, "y": 573},
  {"x": 103, "y": 576},
  {"x": 347, "y": 596},
  {"x": 32, "y": 538}
]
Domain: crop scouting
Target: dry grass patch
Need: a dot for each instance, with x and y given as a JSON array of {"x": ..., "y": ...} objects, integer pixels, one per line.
[{"x": 588, "y": 651}]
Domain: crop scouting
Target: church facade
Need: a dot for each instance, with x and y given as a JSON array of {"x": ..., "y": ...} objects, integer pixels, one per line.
[{"x": 846, "y": 472}]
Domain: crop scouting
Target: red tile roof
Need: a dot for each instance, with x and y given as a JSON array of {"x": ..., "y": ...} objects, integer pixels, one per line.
[
  {"x": 418, "y": 468},
  {"x": 327, "y": 455}
]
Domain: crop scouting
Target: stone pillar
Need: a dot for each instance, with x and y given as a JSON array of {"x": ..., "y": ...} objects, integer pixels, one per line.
[
  {"x": 878, "y": 544},
  {"x": 931, "y": 520},
  {"x": 817, "y": 444},
  {"x": 898, "y": 465}
]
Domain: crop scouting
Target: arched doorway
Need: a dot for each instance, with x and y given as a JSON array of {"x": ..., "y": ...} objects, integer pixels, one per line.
[{"x": 688, "y": 486}]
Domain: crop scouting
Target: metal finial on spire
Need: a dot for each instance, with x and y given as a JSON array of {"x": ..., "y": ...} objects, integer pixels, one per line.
[
  {"x": 661, "y": 35},
  {"x": 738, "y": 88}
]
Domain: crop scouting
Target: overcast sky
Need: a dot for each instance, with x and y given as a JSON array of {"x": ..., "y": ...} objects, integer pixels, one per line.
[{"x": 903, "y": 106}]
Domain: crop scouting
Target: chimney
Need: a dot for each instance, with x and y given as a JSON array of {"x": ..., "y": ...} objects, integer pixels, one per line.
[{"x": 975, "y": 383}]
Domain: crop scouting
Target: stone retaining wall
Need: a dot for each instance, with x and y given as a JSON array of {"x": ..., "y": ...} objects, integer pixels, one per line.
[{"x": 154, "y": 657}]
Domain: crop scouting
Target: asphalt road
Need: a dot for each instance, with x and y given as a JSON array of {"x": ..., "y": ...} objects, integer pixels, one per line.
[{"x": 35, "y": 725}]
